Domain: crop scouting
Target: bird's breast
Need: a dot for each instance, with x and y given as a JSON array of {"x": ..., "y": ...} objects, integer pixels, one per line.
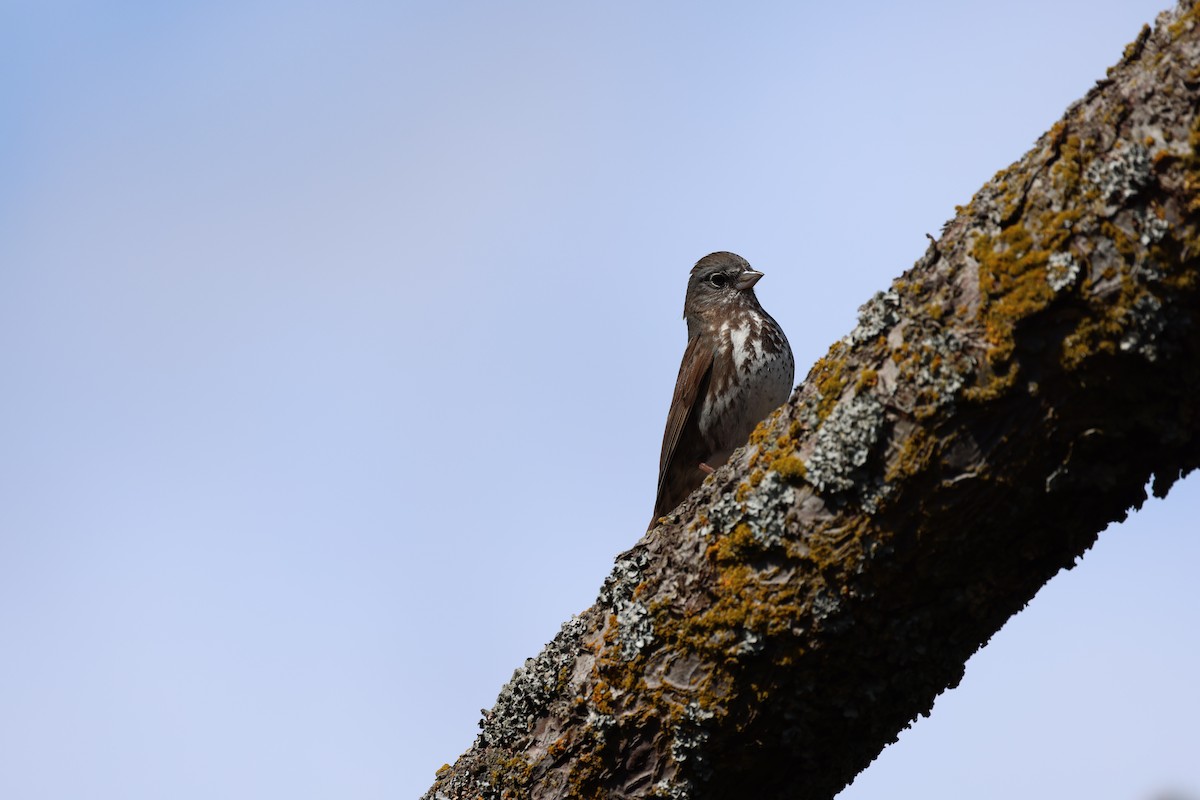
[{"x": 752, "y": 375}]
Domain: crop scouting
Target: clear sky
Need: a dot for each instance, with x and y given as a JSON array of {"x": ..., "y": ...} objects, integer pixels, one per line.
[{"x": 337, "y": 341}]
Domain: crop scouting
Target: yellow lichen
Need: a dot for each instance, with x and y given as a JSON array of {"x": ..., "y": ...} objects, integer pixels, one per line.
[
  {"x": 914, "y": 455},
  {"x": 731, "y": 547},
  {"x": 789, "y": 467},
  {"x": 831, "y": 380}
]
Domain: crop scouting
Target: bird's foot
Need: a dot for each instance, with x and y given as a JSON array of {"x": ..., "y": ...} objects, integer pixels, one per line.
[{"x": 706, "y": 469}]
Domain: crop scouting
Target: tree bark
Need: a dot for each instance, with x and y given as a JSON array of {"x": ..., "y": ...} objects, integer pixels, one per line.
[{"x": 998, "y": 406}]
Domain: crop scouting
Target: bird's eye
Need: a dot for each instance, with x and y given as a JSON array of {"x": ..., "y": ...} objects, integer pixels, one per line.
[{"x": 718, "y": 280}]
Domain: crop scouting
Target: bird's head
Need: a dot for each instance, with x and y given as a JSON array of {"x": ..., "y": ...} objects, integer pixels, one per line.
[{"x": 718, "y": 282}]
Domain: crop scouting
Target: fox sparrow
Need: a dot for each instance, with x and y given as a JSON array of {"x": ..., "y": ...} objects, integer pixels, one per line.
[{"x": 737, "y": 368}]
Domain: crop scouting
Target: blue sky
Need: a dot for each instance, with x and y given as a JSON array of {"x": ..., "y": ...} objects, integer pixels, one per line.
[{"x": 338, "y": 341}]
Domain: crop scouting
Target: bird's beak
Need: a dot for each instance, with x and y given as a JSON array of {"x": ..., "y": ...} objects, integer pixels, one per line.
[{"x": 747, "y": 279}]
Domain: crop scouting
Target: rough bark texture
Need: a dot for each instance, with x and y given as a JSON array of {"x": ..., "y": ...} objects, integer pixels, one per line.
[{"x": 1005, "y": 400}]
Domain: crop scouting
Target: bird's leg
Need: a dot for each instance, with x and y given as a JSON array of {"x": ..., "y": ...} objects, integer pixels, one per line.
[{"x": 706, "y": 469}]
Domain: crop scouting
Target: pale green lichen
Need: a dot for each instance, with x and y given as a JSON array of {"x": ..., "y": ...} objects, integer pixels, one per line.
[
  {"x": 1062, "y": 270},
  {"x": 635, "y": 624},
  {"x": 532, "y": 686},
  {"x": 875, "y": 317},
  {"x": 1145, "y": 323},
  {"x": 761, "y": 508},
  {"x": 1119, "y": 176},
  {"x": 843, "y": 444}
]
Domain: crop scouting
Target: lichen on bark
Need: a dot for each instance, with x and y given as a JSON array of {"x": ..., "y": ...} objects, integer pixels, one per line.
[{"x": 994, "y": 409}]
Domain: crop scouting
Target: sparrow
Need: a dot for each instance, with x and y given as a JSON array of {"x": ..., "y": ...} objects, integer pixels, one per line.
[{"x": 737, "y": 368}]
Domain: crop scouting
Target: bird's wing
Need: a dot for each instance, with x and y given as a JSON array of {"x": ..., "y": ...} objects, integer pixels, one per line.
[{"x": 693, "y": 377}]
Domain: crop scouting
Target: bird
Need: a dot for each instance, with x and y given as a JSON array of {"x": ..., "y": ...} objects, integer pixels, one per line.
[{"x": 737, "y": 368}]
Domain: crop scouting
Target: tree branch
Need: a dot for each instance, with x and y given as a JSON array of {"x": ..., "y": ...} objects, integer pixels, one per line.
[{"x": 1005, "y": 400}]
